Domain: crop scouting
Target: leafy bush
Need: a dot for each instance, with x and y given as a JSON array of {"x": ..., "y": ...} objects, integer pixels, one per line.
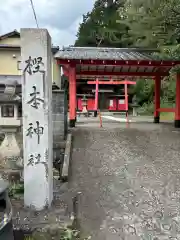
[{"x": 148, "y": 107}]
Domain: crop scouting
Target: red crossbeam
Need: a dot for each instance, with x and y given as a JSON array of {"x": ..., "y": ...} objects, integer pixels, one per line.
[
  {"x": 145, "y": 63},
  {"x": 112, "y": 82},
  {"x": 121, "y": 74},
  {"x": 166, "y": 110}
]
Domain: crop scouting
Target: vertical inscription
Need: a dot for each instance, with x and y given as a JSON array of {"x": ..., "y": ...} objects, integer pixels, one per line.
[
  {"x": 36, "y": 54},
  {"x": 33, "y": 66},
  {"x": 38, "y": 130},
  {"x": 35, "y": 101}
]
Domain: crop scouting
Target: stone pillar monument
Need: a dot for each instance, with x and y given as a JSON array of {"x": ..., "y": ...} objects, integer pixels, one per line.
[{"x": 37, "y": 117}]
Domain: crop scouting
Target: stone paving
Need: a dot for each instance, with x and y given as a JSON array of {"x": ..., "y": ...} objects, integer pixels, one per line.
[{"x": 130, "y": 180}]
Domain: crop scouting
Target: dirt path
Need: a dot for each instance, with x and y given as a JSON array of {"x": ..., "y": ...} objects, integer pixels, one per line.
[{"x": 130, "y": 181}]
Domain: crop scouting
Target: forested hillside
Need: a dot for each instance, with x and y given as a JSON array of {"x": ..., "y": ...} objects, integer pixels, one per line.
[{"x": 136, "y": 23}]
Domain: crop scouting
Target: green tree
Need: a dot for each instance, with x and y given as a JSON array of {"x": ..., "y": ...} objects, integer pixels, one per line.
[
  {"x": 100, "y": 27},
  {"x": 146, "y": 22},
  {"x": 152, "y": 23},
  {"x": 143, "y": 90}
]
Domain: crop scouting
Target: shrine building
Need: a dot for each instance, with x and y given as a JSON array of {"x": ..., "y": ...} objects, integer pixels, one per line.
[{"x": 85, "y": 66}]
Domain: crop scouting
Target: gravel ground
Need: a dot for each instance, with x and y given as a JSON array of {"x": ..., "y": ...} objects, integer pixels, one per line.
[{"x": 129, "y": 179}]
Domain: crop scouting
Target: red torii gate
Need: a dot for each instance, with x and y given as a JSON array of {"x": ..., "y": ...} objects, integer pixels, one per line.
[
  {"x": 111, "y": 82},
  {"x": 82, "y": 63}
]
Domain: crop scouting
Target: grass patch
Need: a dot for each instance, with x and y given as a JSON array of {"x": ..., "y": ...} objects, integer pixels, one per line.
[
  {"x": 167, "y": 116},
  {"x": 147, "y": 109},
  {"x": 62, "y": 234},
  {"x": 16, "y": 190}
]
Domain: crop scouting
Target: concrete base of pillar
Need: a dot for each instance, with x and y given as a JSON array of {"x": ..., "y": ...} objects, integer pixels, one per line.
[
  {"x": 72, "y": 123},
  {"x": 95, "y": 113},
  {"x": 177, "y": 123},
  {"x": 156, "y": 119}
]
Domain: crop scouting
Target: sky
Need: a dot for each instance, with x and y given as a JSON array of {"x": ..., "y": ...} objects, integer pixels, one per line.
[{"x": 60, "y": 17}]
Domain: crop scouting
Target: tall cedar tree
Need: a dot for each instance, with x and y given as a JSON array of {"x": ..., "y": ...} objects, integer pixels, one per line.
[{"x": 100, "y": 26}]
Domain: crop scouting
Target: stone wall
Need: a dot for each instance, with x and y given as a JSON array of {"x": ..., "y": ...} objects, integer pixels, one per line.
[{"x": 59, "y": 116}]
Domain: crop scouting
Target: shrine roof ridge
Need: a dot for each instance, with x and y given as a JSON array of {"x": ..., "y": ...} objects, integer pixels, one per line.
[
  {"x": 112, "y": 49},
  {"x": 104, "y": 53},
  {"x": 91, "y": 53}
]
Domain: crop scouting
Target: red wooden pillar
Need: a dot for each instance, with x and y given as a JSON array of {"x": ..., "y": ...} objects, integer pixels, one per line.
[
  {"x": 126, "y": 96},
  {"x": 177, "y": 108},
  {"x": 96, "y": 98},
  {"x": 72, "y": 96},
  {"x": 157, "y": 99}
]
